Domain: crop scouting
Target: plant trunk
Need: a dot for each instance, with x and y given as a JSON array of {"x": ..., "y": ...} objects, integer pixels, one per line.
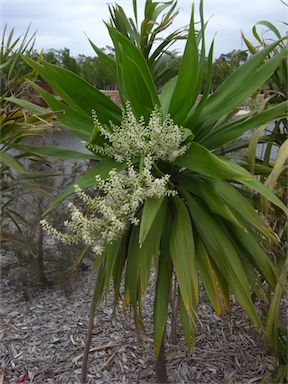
[
  {"x": 89, "y": 335},
  {"x": 40, "y": 260},
  {"x": 161, "y": 373},
  {"x": 173, "y": 334}
]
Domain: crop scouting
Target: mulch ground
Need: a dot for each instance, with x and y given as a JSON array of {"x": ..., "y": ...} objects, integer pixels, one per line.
[{"x": 42, "y": 342}]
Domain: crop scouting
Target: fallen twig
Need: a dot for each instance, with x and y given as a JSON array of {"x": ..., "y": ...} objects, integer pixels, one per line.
[
  {"x": 108, "y": 361},
  {"x": 1, "y": 375},
  {"x": 98, "y": 348}
]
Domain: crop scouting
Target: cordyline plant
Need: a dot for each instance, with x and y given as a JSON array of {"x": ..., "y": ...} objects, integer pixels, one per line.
[{"x": 165, "y": 199}]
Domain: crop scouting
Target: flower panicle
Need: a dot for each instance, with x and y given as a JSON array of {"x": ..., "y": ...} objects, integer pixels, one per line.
[
  {"x": 161, "y": 138},
  {"x": 115, "y": 207}
]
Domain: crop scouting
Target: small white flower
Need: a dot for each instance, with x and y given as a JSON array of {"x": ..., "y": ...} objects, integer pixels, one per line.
[{"x": 160, "y": 138}]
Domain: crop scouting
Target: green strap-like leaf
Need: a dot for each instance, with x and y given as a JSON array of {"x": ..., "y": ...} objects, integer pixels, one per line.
[
  {"x": 11, "y": 162},
  {"x": 131, "y": 273},
  {"x": 208, "y": 276},
  {"x": 78, "y": 124},
  {"x": 55, "y": 152},
  {"x": 150, "y": 210},
  {"x": 256, "y": 185},
  {"x": 182, "y": 251},
  {"x": 238, "y": 203},
  {"x": 186, "y": 86},
  {"x": 188, "y": 323},
  {"x": 27, "y": 105},
  {"x": 249, "y": 45},
  {"x": 166, "y": 94},
  {"x": 233, "y": 130},
  {"x": 111, "y": 253},
  {"x": 78, "y": 93},
  {"x": 199, "y": 159},
  {"x": 151, "y": 245},
  {"x": 135, "y": 88},
  {"x": 246, "y": 88},
  {"x": 106, "y": 59},
  {"x": 270, "y": 26},
  {"x": 232, "y": 89},
  {"x": 204, "y": 190},
  {"x": 119, "y": 265},
  {"x": 272, "y": 321},
  {"x": 163, "y": 286},
  {"x": 278, "y": 166},
  {"x": 134, "y": 75},
  {"x": 252, "y": 147},
  {"x": 223, "y": 253},
  {"x": 257, "y": 256}
]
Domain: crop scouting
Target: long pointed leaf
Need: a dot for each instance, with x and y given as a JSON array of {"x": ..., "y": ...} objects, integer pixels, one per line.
[
  {"x": 223, "y": 253},
  {"x": 163, "y": 286},
  {"x": 150, "y": 210},
  {"x": 182, "y": 251}
]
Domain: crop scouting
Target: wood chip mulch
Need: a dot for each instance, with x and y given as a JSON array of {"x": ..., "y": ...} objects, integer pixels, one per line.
[{"x": 42, "y": 341}]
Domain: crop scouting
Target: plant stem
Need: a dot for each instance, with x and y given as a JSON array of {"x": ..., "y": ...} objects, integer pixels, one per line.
[
  {"x": 173, "y": 334},
  {"x": 89, "y": 334},
  {"x": 161, "y": 373},
  {"x": 40, "y": 260}
]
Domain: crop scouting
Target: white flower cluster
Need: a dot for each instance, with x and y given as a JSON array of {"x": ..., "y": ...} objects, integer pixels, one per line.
[
  {"x": 161, "y": 138},
  {"x": 107, "y": 215}
]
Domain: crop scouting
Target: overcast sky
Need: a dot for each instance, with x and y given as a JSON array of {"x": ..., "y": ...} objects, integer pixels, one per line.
[{"x": 62, "y": 24}]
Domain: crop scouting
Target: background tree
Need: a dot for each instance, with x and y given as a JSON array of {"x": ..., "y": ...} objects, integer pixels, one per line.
[{"x": 226, "y": 64}]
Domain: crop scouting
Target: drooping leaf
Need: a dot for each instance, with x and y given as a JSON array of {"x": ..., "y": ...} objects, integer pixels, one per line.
[
  {"x": 120, "y": 264},
  {"x": 253, "y": 146},
  {"x": 182, "y": 251},
  {"x": 131, "y": 273},
  {"x": 224, "y": 255},
  {"x": 205, "y": 191},
  {"x": 150, "y": 210},
  {"x": 238, "y": 203},
  {"x": 256, "y": 185},
  {"x": 163, "y": 286},
  {"x": 257, "y": 256},
  {"x": 188, "y": 321},
  {"x": 151, "y": 246},
  {"x": 75, "y": 122},
  {"x": 78, "y": 93},
  {"x": 111, "y": 253},
  {"x": 27, "y": 105},
  {"x": 199, "y": 159},
  {"x": 278, "y": 167},
  {"x": 272, "y": 321},
  {"x": 55, "y": 152},
  {"x": 208, "y": 276},
  {"x": 11, "y": 162},
  {"x": 232, "y": 130},
  {"x": 270, "y": 26}
]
